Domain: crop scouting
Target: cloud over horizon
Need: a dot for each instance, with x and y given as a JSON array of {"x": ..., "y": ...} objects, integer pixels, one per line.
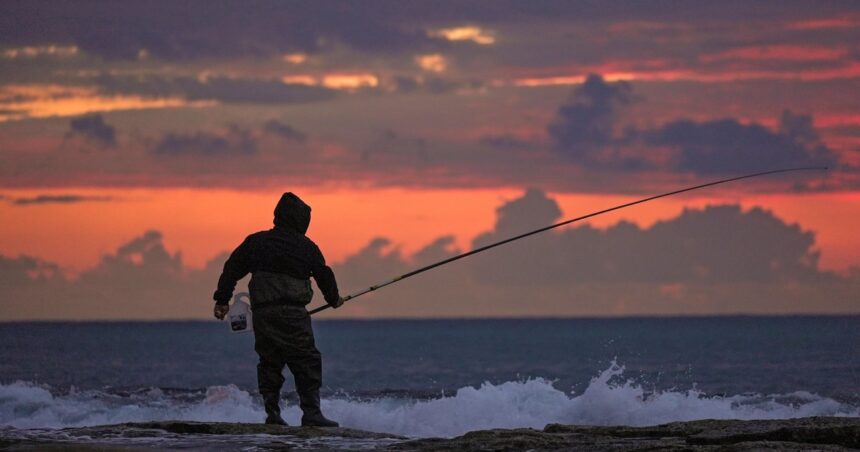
[
  {"x": 57, "y": 199},
  {"x": 716, "y": 260}
]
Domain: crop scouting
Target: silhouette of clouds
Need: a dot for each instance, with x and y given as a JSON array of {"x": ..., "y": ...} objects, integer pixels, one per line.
[
  {"x": 217, "y": 88},
  {"x": 720, "y": 259},
  {"x": 716, "y": 244},
  {"x": 26, "y": 270},
  {"x": 587, "y": 131},
  {"x": 586, "y": 123},
  {"x": 505, "y": 141},
  {"x": 58, "y": 199},
  {"x": 727, "y": 146},
  {"x": 142, "y": 257},
  {"x": 284, "y": 131},
  {"x": 586, "y": 137},
  {"x": 140, "y": 280},
  {"x": 173, "y": 31},
  {"x": 238, "y": 63},
  {"x": 234, "y": 141},
  {"x": 440, "y": 249},
  {"x": 94, "y": 129},
  {"x": 405, "y": 84},
  {"x": 428, "y": 84},
  {"x": 530, "y": 211},
  {"x": 393, "y": 149}
]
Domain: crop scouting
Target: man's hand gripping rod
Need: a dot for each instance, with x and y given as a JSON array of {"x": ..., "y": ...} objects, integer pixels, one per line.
[{"x": 546, "y": 228}]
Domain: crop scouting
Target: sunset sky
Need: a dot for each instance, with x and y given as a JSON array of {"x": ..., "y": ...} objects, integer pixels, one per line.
[{"x": 139, "y": 142}]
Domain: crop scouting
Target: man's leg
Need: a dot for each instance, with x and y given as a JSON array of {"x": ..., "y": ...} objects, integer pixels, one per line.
[
  {"x": 307, "y": 373},
  {"x": 305, "y": 364},
  {"x": 269, "y": 381},
  {"x": 270, "y": 378}
]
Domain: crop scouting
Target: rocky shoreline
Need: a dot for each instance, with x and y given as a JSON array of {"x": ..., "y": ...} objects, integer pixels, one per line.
[{"x": 813, "y": 433}]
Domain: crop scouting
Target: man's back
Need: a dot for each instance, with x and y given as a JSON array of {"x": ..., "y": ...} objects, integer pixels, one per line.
[{"x": 281, "y": 257}]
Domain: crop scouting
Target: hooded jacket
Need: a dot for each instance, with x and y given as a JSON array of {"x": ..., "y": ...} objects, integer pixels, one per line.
[{"x": 280, "y": 260}]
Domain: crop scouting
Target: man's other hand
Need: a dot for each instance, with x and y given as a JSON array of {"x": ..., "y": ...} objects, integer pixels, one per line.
[
  {"x": 221, "y": 311},
  {"x": 338, "y": 303}
]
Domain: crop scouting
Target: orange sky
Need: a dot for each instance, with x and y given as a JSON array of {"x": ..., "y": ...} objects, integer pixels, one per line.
[{"x": 201, "y": 223}]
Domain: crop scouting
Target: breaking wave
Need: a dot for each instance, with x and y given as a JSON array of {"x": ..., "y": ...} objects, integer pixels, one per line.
[{"x": 608, "y": 400}]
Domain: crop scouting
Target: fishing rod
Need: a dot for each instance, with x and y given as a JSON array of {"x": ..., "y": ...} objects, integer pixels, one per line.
[{"x": 547, "y": 228}]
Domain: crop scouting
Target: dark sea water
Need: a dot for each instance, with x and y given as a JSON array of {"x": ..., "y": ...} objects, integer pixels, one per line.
[{"x": 442, "y": 377}]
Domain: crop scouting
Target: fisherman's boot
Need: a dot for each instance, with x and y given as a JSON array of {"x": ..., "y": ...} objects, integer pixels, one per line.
[
  {"x": 273, "y": 409},
  {"x": 313, "y": 417}
]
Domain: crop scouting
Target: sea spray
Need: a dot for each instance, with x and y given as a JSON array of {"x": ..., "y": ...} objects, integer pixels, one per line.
[
  {"x": 535, "y": 403},
  {"x": 609, "y": 399},
  {"x": 26, "y": 405}
]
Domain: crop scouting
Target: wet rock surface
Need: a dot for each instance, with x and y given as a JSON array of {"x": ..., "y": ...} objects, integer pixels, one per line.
[
  {"x": 226, "y": 428},
  {"x": 814, "y": 433}
]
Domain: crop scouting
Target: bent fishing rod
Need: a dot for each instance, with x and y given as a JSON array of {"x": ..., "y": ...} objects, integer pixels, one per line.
[{"x": 553, "y": 226}]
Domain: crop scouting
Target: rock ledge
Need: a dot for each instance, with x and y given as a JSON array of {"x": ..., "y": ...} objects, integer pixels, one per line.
[{"x": 812, "y": 433}]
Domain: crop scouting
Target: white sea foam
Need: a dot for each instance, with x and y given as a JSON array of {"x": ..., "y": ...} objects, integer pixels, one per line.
[{"x": 532, "y": 403}]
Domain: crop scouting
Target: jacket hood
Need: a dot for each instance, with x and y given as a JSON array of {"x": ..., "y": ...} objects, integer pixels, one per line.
[{"x": 292, "y": 213}]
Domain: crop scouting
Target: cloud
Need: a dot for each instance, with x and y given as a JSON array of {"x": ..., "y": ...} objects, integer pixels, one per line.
[
  {"x": 58, "y": 98},
  {"x": 531, "y": 40},
  {"x": 720, "y": 259},
  {"x": 140, "y": 280},
  {"x": 33, "y": 288},
  {"x": 585, "y": 154},
  {"x": 717, "y": 244},
  {"x": 391, "y": 148},
  {"x": 174, "y": 33},
  {"x": 726, "y": 146},
  {"x": 284, "y": 131},
  {"x": 58, "y": 199},
  {"x": 143, "y": 256},
  {"x": 94, "y": 129},
  {"x": 531, "y": 211},
  {"x": 505, "y": 141},
  {"x": 235, "y": 141},
  {"x": 428, "y": 84},
  {"x": 27, "y": 270},
  {"x": 587, "y": 131},
  {"x": 371, "y": 50},
  {"x": 216, "y": 88},
  {"x": 586, "y": 126}
]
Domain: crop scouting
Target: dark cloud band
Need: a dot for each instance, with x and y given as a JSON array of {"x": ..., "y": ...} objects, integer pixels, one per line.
[{"x": 58, "y": 199}]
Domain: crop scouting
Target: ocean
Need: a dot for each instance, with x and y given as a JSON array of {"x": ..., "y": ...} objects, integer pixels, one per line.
[{"x": 429, "y": 378}]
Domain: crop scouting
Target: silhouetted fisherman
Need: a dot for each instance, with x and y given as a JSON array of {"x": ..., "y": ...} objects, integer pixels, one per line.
[{"x": 281, "y": 261}]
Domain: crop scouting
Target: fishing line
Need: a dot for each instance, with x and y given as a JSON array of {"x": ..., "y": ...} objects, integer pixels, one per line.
[{"x": 547, "y": 228}]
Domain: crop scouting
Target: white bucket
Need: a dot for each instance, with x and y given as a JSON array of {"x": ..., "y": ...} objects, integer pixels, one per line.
[{"x": 239, "y": 315}]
